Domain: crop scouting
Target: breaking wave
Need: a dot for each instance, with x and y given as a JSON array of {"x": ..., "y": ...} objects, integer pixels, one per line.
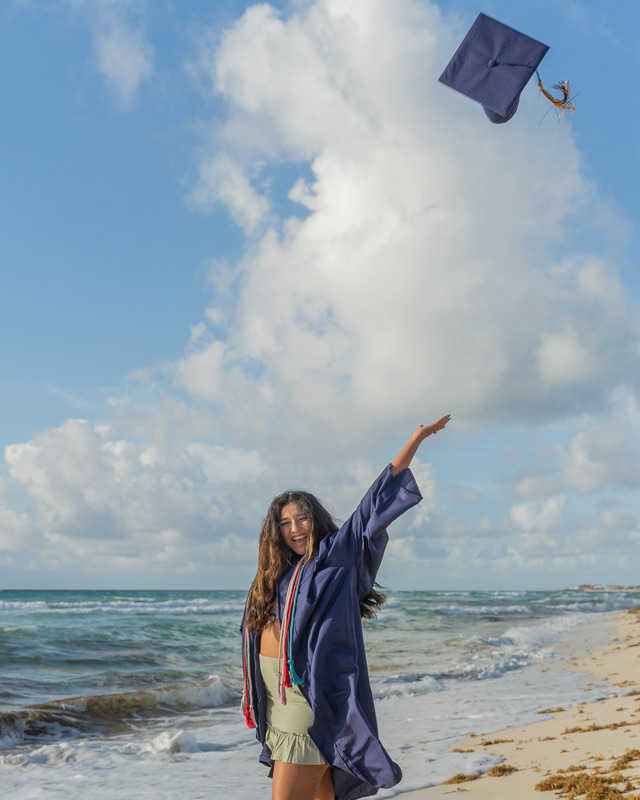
[{"x": 88, "y": 714}]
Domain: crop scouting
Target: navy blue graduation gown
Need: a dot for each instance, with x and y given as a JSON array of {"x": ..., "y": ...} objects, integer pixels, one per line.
[{"x": 328, "y": 646}]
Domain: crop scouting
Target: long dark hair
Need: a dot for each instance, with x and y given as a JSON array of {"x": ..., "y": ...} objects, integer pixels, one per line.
[{"x": 274, "y": 556}]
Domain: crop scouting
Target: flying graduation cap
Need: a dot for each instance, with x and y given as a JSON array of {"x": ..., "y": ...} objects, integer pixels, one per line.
[{"x": 493, "y": 64}]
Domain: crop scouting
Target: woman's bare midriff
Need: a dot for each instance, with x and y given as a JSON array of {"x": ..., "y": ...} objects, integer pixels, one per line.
[{"x": 270, "y": 639}]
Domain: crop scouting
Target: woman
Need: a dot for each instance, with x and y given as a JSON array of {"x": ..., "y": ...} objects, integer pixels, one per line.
[{"x": 307, "y": 687}]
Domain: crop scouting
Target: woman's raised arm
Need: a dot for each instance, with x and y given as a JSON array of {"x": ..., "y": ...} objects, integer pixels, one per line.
[{"x": 405, "y": 456}]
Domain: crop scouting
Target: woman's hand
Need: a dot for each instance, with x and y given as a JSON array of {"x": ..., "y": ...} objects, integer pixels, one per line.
[
  {"x": 405, "y": 456},
  {"x": 422, "y": 431}
]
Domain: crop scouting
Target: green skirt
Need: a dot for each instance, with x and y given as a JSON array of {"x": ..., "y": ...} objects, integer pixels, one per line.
[{"x": 287, "y": 736}]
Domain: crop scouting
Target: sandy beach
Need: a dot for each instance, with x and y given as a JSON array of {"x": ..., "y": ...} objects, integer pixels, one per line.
[{"x": 590, "y": 750}]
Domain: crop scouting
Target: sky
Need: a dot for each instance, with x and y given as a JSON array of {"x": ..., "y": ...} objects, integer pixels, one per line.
[{"x": 251, "y": 247}]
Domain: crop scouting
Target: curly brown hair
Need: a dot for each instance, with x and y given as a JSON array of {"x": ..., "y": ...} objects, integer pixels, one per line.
[{"x": 274, "y": 556}]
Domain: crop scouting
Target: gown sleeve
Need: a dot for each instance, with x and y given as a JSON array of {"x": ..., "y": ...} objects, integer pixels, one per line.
[{"x": 362, "y": 539}]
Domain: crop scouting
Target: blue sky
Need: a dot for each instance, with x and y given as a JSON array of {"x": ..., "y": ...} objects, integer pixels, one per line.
[{"x": 246, "y": 247}]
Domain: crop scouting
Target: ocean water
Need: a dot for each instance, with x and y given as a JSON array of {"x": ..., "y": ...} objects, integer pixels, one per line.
[{"x": 136, "y": 694}]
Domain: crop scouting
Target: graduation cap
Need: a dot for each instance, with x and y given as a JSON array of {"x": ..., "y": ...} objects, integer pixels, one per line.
[{"x": 493, "y": 65}]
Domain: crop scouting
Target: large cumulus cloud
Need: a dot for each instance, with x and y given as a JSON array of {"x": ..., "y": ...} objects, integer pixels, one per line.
[{"x": 434, "y": 263}]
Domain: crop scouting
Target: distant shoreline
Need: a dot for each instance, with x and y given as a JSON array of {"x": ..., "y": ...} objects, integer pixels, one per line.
[{"x": 598, "y": 588}]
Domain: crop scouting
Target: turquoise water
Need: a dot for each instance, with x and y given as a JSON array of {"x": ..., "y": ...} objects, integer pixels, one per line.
[{"x": 60, "y": 644}]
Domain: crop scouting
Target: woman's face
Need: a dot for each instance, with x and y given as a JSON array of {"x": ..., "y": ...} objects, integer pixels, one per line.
[{"x": 295, "y": 527}]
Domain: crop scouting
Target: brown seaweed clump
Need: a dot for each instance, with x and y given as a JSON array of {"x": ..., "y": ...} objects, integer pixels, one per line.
[
  {"x": 624, "y": 761},
  {"x": 593, "y": 787},
  {"x": 462, "y": 778},
  {"x": 596, "y": 727},
  {"x": 550, "y": 710},
  {"x": 500, "y": 770},
  {"x": 597, "y": 785}
]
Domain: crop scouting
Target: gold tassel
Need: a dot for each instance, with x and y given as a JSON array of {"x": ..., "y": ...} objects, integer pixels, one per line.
[{"x": 563, "y": 103}]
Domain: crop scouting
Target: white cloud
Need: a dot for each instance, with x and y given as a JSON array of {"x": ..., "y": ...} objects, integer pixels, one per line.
[
  {"x": 583, "y": 471},
  {"x": 539, "y": 476},
  {"x": 123, "y": 55},
  {"x": 113, "y": 501},
  {"x": 607, "y": 450},
  {"x": 535, "y": 516},
  {"x": 435, "y": 269},
  {"x": 18, "y": 533},
  {"x": 155, "y": 498},
  {"x": 536, "y": 486},
  {"x": 221, "y": 179},
  {"x": 220, "y": 463},
  {"x": 563, "y": 358},
  {"x": 616, "y": 519},
  {"x": 155, "y": 506},
  {"x": 121, "y": 51}
]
